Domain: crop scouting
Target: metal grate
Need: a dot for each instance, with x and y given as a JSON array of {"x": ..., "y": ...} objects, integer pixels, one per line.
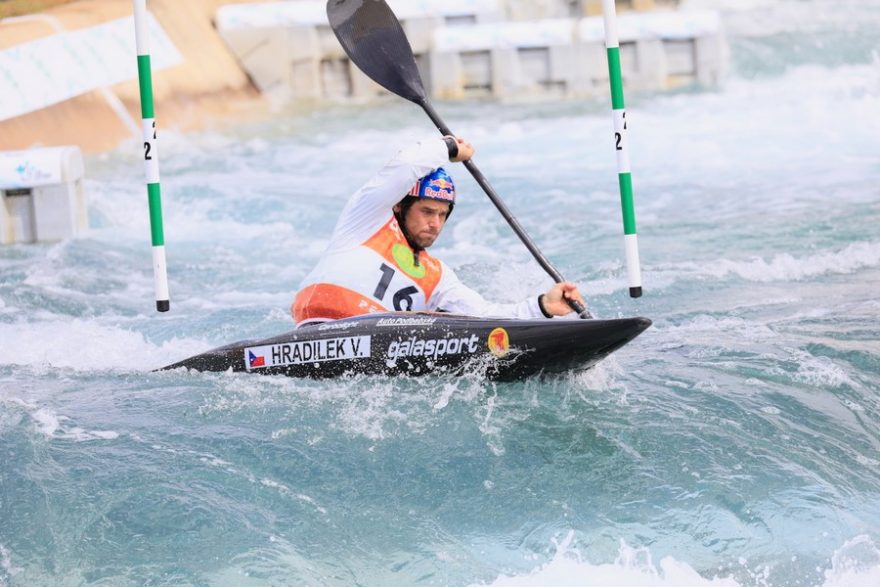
[{"x": 18, "y": 192}]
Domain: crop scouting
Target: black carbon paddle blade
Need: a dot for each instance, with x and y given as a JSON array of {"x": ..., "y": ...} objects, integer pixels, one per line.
[{"x": 374, "y": 40}]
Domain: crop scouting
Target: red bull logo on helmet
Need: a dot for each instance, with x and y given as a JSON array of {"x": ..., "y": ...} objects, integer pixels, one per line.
[
  {"x": 435, "y": 186},
  {"x": 439, "y": 189}
]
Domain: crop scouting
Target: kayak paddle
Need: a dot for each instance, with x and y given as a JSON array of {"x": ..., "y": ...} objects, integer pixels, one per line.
[{"x": 373, "y": 39}]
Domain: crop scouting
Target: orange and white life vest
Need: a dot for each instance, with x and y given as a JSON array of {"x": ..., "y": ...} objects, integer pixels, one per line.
[{"x": 378, "y": 276}]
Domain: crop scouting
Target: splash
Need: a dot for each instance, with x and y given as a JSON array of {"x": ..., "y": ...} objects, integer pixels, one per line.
[
  {"x": 855, "y": 564},
  {"x": 85, "y": 345},
  {"x": 633, "y": 567},
  {"x": 51, "y": 425}
]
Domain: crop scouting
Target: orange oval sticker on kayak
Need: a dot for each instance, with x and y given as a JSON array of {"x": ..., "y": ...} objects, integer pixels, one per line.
[{"x": 499, "y": 342}]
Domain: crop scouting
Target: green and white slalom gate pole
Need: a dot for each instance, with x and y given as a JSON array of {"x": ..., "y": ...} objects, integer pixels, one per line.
[
  {"x": 612, "y": 45},
  {"x": 151, "y": 156}
]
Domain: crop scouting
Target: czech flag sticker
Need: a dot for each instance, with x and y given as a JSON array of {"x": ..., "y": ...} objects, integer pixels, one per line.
[{"x": 255, "y": 361}]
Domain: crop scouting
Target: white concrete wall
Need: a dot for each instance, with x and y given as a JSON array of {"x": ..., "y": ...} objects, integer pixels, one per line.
[
  {"x": 308, "y": 61},
  {"x": 465, "y": 48}
]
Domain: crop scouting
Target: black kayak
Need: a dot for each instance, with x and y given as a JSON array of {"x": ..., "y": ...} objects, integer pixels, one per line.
[{"x": 407, "y": 343}]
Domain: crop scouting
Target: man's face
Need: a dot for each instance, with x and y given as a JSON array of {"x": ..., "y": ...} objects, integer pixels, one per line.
[{"x": 424, "y": 220}]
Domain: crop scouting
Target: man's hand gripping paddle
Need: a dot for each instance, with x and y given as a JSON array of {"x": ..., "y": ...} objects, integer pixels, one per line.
[{"x": 374, "y": 40}]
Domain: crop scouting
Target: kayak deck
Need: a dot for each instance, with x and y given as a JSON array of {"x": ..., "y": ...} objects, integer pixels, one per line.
[{"x": 416, "y": 344}]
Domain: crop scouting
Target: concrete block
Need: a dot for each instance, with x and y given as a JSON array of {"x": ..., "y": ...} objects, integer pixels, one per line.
[
  {"x": 659, "y": 50},
  {"x": 258, "y": 51},
  {"x": 42, "y": 198},
  {"x": 511, "y": 60}
]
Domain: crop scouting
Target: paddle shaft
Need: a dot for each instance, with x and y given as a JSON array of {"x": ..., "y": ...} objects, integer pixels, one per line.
[{"x": 505, "y": 212}]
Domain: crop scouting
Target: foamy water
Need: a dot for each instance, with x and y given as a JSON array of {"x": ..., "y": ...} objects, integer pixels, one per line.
[
  {"x": 851, "y": 566},
  {"x": 733, "y": 444}
]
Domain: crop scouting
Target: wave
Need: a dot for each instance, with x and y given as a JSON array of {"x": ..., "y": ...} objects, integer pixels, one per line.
[
  {"x": 855, "y": 564},
  {"x": 781, "y": 267},
  {"x": 51, "y": 425},
  {"x": 83, "y": 345}
]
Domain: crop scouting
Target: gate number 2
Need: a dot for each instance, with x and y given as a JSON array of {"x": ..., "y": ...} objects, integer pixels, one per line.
[{"x": 147, "y": 147}]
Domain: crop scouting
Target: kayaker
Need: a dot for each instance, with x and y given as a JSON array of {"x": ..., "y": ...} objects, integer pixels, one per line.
[{"x": 377, "y": 261}]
